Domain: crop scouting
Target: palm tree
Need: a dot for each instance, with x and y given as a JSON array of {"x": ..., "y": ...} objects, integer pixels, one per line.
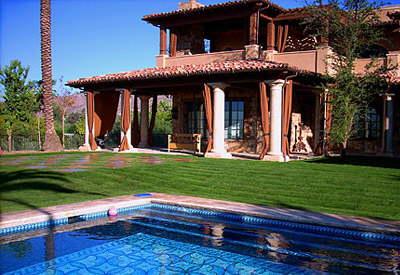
[{"x": 51, "y": 140}]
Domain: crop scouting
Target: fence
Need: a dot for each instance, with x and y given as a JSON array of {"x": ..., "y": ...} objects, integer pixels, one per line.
[
  {"x": 114, "y": 140},
  {"x": 30, "y": 143},
  {"x": 19, "y": 143}
]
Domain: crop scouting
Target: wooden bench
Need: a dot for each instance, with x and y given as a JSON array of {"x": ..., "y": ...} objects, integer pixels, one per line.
[{"x": 190, "y": 142}]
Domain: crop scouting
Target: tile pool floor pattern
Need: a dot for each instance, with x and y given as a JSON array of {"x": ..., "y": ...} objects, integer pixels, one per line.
[
  {"x": 71, "y": 210},
  {"x": 146, "y": 254}
]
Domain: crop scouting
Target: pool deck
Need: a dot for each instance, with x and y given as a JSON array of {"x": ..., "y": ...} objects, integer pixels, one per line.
[{"x": 70, "y": 210}]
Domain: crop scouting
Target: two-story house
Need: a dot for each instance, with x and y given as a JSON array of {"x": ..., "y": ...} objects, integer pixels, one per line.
[{"x": 245, "y": 76}]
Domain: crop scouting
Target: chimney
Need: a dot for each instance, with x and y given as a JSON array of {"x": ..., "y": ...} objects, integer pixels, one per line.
[{"x": 189, "y": 5}]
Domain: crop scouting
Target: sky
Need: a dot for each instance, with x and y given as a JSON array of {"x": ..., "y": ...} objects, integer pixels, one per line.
[{"x": 89, "y": 37}]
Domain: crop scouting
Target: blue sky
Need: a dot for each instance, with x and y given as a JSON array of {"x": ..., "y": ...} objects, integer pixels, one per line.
[{"x": 89, "y": 37}]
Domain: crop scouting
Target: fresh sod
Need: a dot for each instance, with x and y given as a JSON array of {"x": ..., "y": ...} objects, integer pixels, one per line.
[{"x": 365, "y": 186}]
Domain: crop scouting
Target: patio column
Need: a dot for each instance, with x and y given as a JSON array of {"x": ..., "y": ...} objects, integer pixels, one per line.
[
  {"x": 129, "y": 131},
  {"x": 275, "y": 147},
  {"x": 144, "y": 121},
  {"x": 86, "y": 144},
  {"x": 389, "y": 123},
  {"x": 218, "y": 149},
  {"x": 90, "y": 117}
]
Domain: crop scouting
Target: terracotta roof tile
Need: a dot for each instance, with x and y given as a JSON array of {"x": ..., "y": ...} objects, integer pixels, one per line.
[
  {"x": 292, "y": 14},
  {"x": 186, "y": 70},
  {"x": 209, "y": 7}
]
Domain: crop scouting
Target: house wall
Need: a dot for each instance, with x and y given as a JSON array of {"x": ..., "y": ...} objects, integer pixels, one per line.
[
  {"x": 191, "y": 40},
  {"x": 252, "y": 141},
  {"x": 235, "y": 39}
]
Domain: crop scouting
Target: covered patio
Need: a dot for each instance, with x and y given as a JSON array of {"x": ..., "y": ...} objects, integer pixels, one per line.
[{"x": 269, "y": 84}]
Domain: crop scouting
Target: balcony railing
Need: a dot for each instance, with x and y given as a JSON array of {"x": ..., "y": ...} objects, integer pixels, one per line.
[
  {"x": 312, "y": 60},
  {"x": 165, "y": 61}
]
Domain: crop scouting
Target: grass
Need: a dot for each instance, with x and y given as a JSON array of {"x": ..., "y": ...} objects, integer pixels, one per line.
[{"x": 368, "y": 187}]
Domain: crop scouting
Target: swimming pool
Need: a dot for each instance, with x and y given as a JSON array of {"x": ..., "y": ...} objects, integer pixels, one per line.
[{"x": 165, "y": 239}]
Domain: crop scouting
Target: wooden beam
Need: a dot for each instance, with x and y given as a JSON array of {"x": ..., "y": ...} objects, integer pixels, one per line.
[
  {"x": 253, "y": 28},
  {"x": 163, "y": 41},
  {"x": 266, "y": 17},
  {"x": 271, "y": 36},
  {"x": 173, "y": 41}
]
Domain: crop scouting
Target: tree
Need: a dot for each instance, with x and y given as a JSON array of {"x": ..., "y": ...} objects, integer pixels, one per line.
[
  {"x": 80, "y": 125},
  {"x": 163, "y": 118},
  {"x": 19, "y": 96},
  {"x": 51, "y": 140},
  {"x": 348, "y": 26},
  {"x": 65, "y": 101}
]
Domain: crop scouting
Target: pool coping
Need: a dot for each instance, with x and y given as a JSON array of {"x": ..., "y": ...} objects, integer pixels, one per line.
[{"x": 59, "y": 212}]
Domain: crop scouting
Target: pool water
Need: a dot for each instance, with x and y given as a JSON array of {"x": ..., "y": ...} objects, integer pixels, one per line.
[{"x": 178, "y": 240}]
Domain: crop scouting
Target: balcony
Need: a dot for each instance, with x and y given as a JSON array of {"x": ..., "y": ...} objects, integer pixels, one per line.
[
  {"x": 166, "y": 61},
  {"x": 312, "y": 60}
]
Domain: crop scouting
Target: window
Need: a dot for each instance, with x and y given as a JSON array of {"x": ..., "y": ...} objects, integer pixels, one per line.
[
  {"x": 207, "y": 45},
  {"x": 234, "y": 114},
  {"x": 195, "y": 119},
  {"x": 370, "y": 126}
]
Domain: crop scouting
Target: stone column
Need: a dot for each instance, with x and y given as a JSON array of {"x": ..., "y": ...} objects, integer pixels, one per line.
[
  {"x": 144, "y": 121},
  {"x": 218, "y": 150},
  {"x": 275, "y": 147},
  {"x": 85, "y": 146},
  {"x": 389, "y": 123}
]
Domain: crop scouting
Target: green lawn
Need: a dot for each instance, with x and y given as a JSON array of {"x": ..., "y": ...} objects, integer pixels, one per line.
[{"x": 368, "y": 187}]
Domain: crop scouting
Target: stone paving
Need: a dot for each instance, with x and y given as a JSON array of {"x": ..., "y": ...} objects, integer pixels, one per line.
[
  {"x": 76, "y": 209},
  {"x": 78, "y": 162}
]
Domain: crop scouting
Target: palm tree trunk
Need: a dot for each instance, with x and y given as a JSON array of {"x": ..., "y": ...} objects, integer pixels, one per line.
[{"x": 51, "y": 140}]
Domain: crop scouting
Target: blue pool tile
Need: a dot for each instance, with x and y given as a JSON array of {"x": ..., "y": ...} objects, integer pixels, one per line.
[{"x": 118, "y": 257}]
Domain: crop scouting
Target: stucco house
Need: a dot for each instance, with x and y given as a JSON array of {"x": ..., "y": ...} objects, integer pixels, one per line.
[{"x": 244, "y": 76}]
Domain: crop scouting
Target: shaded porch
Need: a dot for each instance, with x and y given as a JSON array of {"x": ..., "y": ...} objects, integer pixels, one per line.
[{"x": 247, "y": 103}]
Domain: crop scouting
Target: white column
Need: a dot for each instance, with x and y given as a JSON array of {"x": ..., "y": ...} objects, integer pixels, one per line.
[
  {"x": 218, "y": 149},
  {"x": 275, "y": 143},
  {"x": 144, "y": 121},
  {"x": 389, "y": 123}
]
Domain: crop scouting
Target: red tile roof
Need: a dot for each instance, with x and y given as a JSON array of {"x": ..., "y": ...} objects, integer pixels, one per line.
[
  {"x": 211, "y": 7},
  {"x": 187, "y": 70},
  {"x": 292, "y": 14}
]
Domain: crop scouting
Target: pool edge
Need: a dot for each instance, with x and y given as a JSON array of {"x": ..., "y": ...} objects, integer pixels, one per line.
[{"x": 62, "y": 212}]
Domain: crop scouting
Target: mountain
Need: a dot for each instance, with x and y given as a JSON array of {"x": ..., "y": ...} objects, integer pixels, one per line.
[{"x": 80, "y": 102}]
